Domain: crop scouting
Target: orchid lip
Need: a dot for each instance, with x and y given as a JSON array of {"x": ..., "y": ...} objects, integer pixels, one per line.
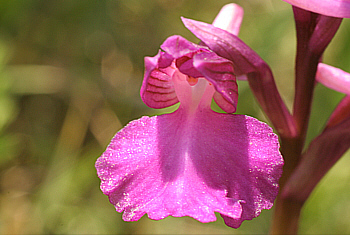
[{"x": 182, "y": 165}]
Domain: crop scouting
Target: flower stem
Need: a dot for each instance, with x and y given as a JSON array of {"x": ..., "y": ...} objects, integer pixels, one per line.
[
  {"x": 314, "y": 32},
  {"x": 287, "y": 211},
  {"x": 286, "y": 216}
]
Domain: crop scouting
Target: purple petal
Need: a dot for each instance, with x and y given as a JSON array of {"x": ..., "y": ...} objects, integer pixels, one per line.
[
  {"x": 229, "y": 18},
  {"x": 219, "y": 71},
  {"x": 192, "y": 166},
  {"x": 188, "y": 68},
  {"x": 246, "y": 61},
  {"x": 157, "y": 89},
  {"x": 323, "y": 152},
  {"x": 177, "y": 46},
  {"x": 333, "y": 78},
  {"x": 225, "y": 45},
  {"x": 182, "y": 51},
  {"x": 325, "y": 30},
  {"x": 341, "y": 112},
  {"x": 335, "y": 8}
]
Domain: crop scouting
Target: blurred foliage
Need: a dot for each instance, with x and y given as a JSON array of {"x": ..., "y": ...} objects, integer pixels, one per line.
[{"x": 70, "y": 73}]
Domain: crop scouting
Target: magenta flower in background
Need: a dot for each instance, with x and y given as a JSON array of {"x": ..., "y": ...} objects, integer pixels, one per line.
[
  {"x": 337, "y": 80},
  {"x": 194, "y": 161},
  {"x": 333, "y": 78},
  {"x": 335, "y": 8}
]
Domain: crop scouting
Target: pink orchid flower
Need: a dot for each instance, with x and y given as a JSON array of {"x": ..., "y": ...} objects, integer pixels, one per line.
[
  {"x": 335, "y": 8},
  {"x": 194, "y": 161}
]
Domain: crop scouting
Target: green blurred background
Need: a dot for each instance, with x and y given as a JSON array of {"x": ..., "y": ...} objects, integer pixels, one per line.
[{"x": 70, "y": 74}]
